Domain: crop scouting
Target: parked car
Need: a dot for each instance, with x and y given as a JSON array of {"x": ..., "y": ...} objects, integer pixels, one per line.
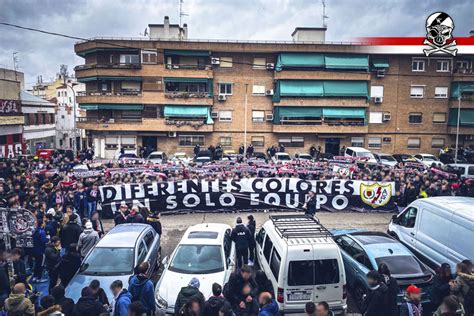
[
  {"x": 181, "y": 157},
  {"x": 364, "y": 251},
  {"x": 303, "y": 156},
  {"x": 203, "y": 156},
  {"x": 206, "y": 252},
  {"x": 360, "y": 153},
  {"x": 428, "y": 160},
  {"x": 438, "y": 229},
  {"x": 157, "y": 157},
  {"x": 303, "y": 263},
  {"x": 259, "y": 155},
  {"x": 463, "y": 170},
  {"x": 385, "y": 159},
  {"x": 115, "y": 256},
  {"x": 281, "y": 158},
  {"x": 404, "y": 158},
  {"x": 450, "y": 158},
  {"x": 127, "y": 153}
]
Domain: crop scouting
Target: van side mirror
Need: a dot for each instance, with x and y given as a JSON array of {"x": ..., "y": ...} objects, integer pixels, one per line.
[
  {"x": 394, "y": 218},
  {"x": 230, "y": 262},
  {"x": 164, "y": 262}
]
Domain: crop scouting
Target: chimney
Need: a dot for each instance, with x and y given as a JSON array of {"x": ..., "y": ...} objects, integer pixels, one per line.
[
  {"x": 309, "y": 34},
  {"x": 185, "y": 31},
  {"x": 166, "y": 26}
]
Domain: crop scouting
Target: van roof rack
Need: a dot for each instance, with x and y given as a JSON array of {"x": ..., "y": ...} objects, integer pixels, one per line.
[{"x": 299, "y": 226}]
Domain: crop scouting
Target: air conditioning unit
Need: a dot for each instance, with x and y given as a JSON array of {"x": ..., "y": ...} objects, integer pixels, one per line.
[
  {"x": 269, "y": 117},
  {"x": 214, "y": 114},
  {"x": 270, "y": 66},
  {"x": 215, "y": 61},
  {"x": 171, "y": 134},
  {"x": 111, "y": 120},
  {"x": 380, "y": 73},
  {"x": 386, "y": 116},
  {"x": 221, "y": 97},
  {"x": 378, "y": 100},
  {"x": 269, "y": 92}
]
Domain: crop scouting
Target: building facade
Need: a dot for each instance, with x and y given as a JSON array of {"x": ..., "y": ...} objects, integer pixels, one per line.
[
  {"x": 11, "y": 116},
  {"x": 167, "y": 94},
  {"x": 39, "y": 130}
]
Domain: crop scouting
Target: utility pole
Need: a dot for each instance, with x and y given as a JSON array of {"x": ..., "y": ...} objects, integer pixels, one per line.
[
  {"x": 324, "y": 14},
  {"x": 245, "y": 121}
]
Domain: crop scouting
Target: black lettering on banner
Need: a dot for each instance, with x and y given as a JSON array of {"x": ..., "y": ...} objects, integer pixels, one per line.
[
  {"x": 320, "y": 186},
  {"x": 303, "y": 186},
  {"x": 254, "y": 185},
  {"x": 349, "y": 185},
  {"x": 108, "y": 194},
  {"x": 273, "y": 188}
]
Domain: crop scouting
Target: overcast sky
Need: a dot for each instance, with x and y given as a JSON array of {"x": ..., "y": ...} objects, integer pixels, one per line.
[{"x": 41, "y": 54}]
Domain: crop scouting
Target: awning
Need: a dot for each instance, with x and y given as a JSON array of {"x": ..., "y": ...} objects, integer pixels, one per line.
[
  {"x": 114, "y": 106},
  {"x": 337, "y": 112},
  {"x": 117, "y": 49},
  {"x": 299, "y": 60},
  {"x": 339, "y": 88},
  {"x": 301, "y": 88},
  {"x": 463, "y": 87},
  {"x": 345, "y": 61},
  {"x": 293, "y": 112},
  {"x": 466, "y": 119},
  {"x": 195, "y": 53},
  {"x": 380, "y": 63},
  {"x": 99, "y": 78}
]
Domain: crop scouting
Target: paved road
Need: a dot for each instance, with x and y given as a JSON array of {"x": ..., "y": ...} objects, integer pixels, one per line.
[{"x": 174, "y": 226}]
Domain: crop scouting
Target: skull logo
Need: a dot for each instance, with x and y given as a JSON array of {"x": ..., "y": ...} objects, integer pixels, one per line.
[{"x": 439, "y": 28}]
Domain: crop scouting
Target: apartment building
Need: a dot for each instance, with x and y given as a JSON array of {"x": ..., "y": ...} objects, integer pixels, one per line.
[{"x": 173, "y": 93}]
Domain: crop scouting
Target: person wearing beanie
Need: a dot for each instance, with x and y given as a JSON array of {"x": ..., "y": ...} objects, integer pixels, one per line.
[
  {"x": 87, "y": 240},
  {"x": 187, "y": 293},
  {"x": 88, "y": 305}
]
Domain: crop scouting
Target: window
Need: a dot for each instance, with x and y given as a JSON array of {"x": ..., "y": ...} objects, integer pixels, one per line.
[
  {"x": 376, "y": 117},
  {"x": 357, "y": 141},
  {"x": 414, "y": 143},
  {"x": 439, "y": 117},
  {"x": 225, "y": 116},
  {"x": 462, "y": 65},
  {"x": 149, "y": 57},
  {"x": 225, "y": 141},
  {"x": 408, "y": 218},
  {"x": 258, "y": 141},
  {"x": 27, "y": 119},
  {"x": 225, "y": 62},
  {"x": 259, "y": 63},
  {"x": 225, "y": 88},
  {"x": 294, "y": 141},
  {"x": 313, "y": 272},
  {"x": 260, "y": 236},
  {"x": 191, "y": 140},
  {"x": 267, "y": 248},
  {"x": 149, "y": 240},
  {"x": 441, "y": 92},
  {"x": 418, "y": 65},
  {"x": 437, "y": 142},
  {"x": 275, "y": 264},
  {"x": 415, "y": 118},
  {"x": 417, "y": 91},
  {"x": 374, "y": 142},
  {"x": 442, "y": 66},
  {"x": 258, "y": 90},
  {"x": 376, "y": 91},
  {"x": 141, "y": 253},
  {"x": 258, "y": 116},
  {"x": 129, "y": 59},
  {"x": 103, "y": 87}
]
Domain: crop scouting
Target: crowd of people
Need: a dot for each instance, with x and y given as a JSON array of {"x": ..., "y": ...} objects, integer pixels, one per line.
[{"x": 66, "y": 204}]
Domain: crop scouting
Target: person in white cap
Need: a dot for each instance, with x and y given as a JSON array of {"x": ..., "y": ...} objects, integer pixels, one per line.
[{"x": 87, "y": 240}]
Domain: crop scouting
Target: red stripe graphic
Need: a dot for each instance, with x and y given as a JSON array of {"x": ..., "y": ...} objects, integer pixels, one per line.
[{"x": 402, "y": 41}]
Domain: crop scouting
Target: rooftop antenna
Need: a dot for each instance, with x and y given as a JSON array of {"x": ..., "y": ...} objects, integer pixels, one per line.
[
  {"x": 181, "y": 13},
  {"x": 324, "y": 14}
]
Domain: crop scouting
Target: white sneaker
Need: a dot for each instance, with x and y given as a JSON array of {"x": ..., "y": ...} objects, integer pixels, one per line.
[{"x": 250, "y": 263}]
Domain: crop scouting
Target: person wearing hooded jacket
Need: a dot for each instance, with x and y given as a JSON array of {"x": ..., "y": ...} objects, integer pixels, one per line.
[
  {"x": 462, "y": 285},
  {"x": 87, "y": 240},
  {"x": 122, "y": 299},
  {"x": 215, "y": 302},
  {"x": 17, "y": 303},
  {"x": 269, "y": 306},
  {"x": 88, "y": 305},
  {"x": 141, "y": 288},
  {"x": 374, "y": 302},
  {"x": 241, "y": 237},
  {"x": 392, "y": 290},
  {"x": 187, "y": 293},
  {"x": 440, "y": 288}
]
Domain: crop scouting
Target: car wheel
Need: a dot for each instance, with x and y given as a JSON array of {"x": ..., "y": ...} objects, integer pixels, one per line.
[{"x": 359, "y": 292}]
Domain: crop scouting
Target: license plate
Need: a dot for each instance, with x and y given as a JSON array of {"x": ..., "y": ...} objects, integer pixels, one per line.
[{"x": 299, "y": 296}]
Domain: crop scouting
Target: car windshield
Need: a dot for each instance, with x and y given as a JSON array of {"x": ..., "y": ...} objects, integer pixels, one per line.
[
  {"x": 387, "y": 158},
  {"x": 98, "y": 261},
  {"x": 402, "y": 265},
  {"x": 365, "y": 154},
  {"x": 128, "y": 156},
  {"x": 197, "y": 259},
  {"x": 283, "y": 157},
  {"x": 429, "y": 158},
  {"x": 156, "y": 156}
]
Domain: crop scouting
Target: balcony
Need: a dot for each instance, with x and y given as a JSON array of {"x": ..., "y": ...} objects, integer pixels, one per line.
[
  {"x": 463, "y": 130},
  {"x": 322, "y": 127},
  {"x": 109, "y": 97},
  {"x": 144, "y": 125},
  {"x": 321, "y": 75},
  {"x": 326, "y": 102},
  {"x": 463, "y": 74}
]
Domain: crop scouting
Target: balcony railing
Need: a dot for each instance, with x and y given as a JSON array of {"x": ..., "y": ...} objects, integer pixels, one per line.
[
  {"x": 323, "y": 122},
  {"x": 108, "y": 93},
  {"x": 109, "y": 120},
  {"x": 185, "y": 94},
  {"x": 187, "y": 66},
  {"x": 108, "y": 66}
]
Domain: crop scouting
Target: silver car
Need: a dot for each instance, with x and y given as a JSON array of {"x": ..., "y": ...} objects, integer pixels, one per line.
[{"x": 115, "y": 256}]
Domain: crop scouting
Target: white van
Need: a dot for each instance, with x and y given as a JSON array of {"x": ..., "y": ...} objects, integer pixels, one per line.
[
  {"x": 360, "y": 152},
  {"x": 438, "y": 229},
  {"x": 303, "y": 263},
  {"x": 465, "y": 171}
]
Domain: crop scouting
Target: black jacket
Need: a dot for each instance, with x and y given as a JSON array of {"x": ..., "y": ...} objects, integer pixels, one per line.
[
  {"x": 187, "y": 293},
  {"x": 406, "y": 306},
  {"x": 439, "y": 290},
  {"x": 154, "y": 222},
  {"x": 212, "y": 306},
  {"x": 4, "y": 280},
  {"x": 252, "y": 225},
  {"x": 251, "y": 308},
  {"x": 233, "y": 289},
  {"x": 241, "y": 236},
  {"x": 70, "y": 263},
  {"x": 52, "y": 257},
  {"x": 89, "y": 306},
  {"x": 67, "y": 305},
  {"x": 391, "y": 296},
  {"x": 70, "y": 234},
  {"x": 374, "y": 303}
]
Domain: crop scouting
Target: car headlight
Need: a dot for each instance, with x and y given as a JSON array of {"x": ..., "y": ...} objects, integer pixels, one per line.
[{"x": 160, "y": 302}]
